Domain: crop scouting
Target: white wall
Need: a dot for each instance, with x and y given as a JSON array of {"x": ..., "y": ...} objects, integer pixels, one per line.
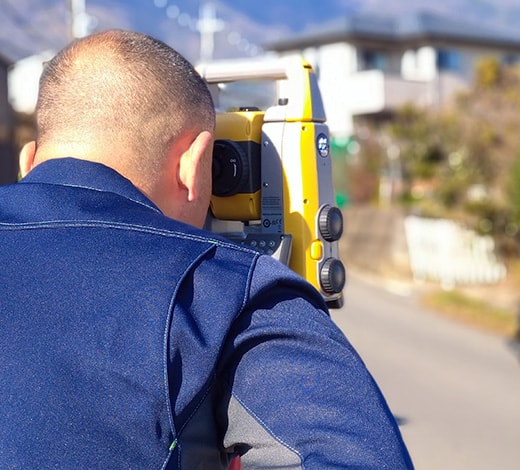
[
  {"x": 23, "y": 82},
  {"x": 336, "y": 64},
  {"x": 419, "y": 64}
]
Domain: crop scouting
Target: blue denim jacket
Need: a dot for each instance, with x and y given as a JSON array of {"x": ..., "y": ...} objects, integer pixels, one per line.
[{"x": 130, "y": 340}]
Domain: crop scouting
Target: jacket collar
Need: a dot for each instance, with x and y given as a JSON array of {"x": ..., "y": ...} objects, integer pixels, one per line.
[{"x": 87, "y": 175}]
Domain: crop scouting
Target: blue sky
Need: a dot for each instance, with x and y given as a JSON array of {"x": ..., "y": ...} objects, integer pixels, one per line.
[
  {"x": 28, "y": 26},
  {"x": 31, "y": 26}
]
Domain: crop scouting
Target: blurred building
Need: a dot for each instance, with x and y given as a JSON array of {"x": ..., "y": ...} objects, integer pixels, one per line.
[
  {"x": 8, "y": 157},
  {"x": 23, "y": 81},
  {"x": 369, "y": 65}
]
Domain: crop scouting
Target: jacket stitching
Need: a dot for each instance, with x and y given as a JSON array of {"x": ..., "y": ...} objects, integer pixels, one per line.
[
  {"x": 268, "y": 429},
  {"x": 123, "y": 226},
  {"x": 90, "y": 188},
  {"x": 166, "y": 343},
  {"x": 194, "y": 412}
]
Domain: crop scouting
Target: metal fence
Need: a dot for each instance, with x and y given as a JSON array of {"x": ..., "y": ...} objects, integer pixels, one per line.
[{"x": 444, "y": 251}]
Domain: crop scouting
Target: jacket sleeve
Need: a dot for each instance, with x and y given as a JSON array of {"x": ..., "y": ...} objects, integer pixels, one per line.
[{"x": 298, "y": 395}]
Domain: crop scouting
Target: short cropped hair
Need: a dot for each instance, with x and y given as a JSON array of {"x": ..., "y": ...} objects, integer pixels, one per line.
[{"x": 122, "y": 85}]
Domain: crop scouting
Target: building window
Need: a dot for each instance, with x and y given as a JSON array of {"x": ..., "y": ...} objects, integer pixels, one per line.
[
  {"x": 511, "y": 60},
  {"x": 448, "y": 60},
  {"x": 372, "y": 60}
]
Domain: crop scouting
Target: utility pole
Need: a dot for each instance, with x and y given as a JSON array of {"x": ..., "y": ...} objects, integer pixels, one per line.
[
  {"x": 80, "y": 19},
  {"x": 207, "y": 25}
]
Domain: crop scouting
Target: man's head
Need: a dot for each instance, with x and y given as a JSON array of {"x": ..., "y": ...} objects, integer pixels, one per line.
[{"x": 132, "y": 103}]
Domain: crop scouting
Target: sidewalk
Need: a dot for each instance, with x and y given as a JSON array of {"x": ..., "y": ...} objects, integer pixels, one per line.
[{"x": 374, "y": 246}]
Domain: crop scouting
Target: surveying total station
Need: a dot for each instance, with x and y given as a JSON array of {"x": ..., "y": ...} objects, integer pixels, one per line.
[{"x": 272, "y": 172}]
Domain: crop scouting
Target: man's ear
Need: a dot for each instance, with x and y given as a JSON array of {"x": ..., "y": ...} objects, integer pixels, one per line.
[
  {"x": 192, "y": 167},
  {"x": 26, "y": 160}
]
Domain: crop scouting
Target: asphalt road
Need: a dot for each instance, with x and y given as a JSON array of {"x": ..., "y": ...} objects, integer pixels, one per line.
[{"x": 455, "y": 391}]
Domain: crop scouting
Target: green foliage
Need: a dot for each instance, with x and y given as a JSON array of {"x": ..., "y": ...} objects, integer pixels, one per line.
[
  {"x": 487, "y": 73},
  {"x": 416, "y": 133},
  {"x": 513, "y": 189},
  {"x": 461, "y": 162},
  {"x": 452, "y": 189}
]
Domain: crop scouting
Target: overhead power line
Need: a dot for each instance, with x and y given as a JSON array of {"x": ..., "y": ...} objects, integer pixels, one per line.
[{"x": 207, "y": 25}]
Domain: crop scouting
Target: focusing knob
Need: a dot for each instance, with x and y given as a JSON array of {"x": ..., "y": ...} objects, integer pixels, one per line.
[
  {"x": 330, "y": 222},
  {"x": 332, "y": 276},
  {"x": 230, "y": 168}
]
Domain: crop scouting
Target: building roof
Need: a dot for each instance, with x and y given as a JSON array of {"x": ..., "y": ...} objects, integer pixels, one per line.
[{"x": 414, "y": 29}]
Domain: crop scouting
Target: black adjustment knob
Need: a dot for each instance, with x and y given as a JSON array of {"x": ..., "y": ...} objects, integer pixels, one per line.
[
  {"x": 332, "y": 276},
  {"x": 330, "y": 223},
  {"x": 230, "y": 168}
]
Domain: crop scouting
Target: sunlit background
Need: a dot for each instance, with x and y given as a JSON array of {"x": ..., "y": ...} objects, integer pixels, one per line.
[{"x": 423, "y": 106}]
